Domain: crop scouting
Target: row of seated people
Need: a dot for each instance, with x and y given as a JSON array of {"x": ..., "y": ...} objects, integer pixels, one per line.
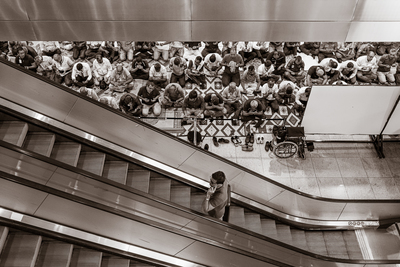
[
  {"x": 365, "y": 69},
  {"x": 229, "y": 103}
]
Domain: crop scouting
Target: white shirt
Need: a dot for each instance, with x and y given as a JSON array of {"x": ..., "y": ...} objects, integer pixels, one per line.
[
  {"x": 161, "y": 74},
  {"x": 64, "y": 66},
  {"x": 262, "y": 70},
  {"x": 267, "y": 92},
  {"x": 325, "y": 63},
  {"x": 48, "y": 46},
  {"x": 362, "y": 62},
  {"x": 354, "y": 69},
  {"x": 102, "y": 69},
  {"x": 84, "y": 72},
  {"x": 242, "y": 46},
  {"x": 47, "y": 63},
  {"x": 216, "y": 63}
]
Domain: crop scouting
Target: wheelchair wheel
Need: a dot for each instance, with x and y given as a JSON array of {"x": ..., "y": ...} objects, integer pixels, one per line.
[{"x": 285, "y": 149}]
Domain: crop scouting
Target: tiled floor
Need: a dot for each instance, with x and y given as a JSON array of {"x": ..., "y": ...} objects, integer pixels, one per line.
[{"x": 332, "y": 170}]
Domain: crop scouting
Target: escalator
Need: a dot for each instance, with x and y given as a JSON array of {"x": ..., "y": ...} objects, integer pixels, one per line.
[
  {"x": 343, "y": 245},
  {"x": 22, "y": 248}
]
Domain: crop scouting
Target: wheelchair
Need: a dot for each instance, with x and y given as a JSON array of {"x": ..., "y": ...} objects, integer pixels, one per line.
[{"x": 287, "y": 144}]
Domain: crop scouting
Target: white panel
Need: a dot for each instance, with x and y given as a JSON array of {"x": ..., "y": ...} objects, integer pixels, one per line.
[
  {"x": 349, "y": 109},
  {"x": 290, "y": 10},
  {"x": 393, "y": 127},
  {"x": 271, "y": 31},
  {"x": 377, "y": 10},
  {"x": 374, "y": 32}
]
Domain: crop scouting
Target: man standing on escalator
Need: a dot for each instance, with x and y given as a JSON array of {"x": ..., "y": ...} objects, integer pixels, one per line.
[{"x": 217, "y": 196}]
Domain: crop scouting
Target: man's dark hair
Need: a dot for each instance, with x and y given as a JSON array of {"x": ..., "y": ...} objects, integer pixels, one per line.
[
  {"x": 157, "y": 66},
  {"x": 212, "y": 58},
  {"x": 334, "y": 64},
  {"x": 219, "y": 176},
  {"x": 193, "y": 94},
  {"x": 350, "y": 65},
  {"x": 199, "y": 58},
  {"x": 20, "y": 48},
  {"x": 251, "y": 67},
  {"x": 177, "y": 61},
  {"x": 79, "y": 66}
]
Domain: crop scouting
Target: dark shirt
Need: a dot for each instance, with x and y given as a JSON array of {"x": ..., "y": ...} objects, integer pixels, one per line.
[
  {"x": 277, "y": 61},
  {"x": 199, "y": 103},
  {"x": 387, "y": 61},
  {"x": 150, "y": 96},
  {"x": 207, "y": 99},
  {"x": 27, "y": 61},
  {"x": 236, "y": 58},
  {"x": 134, "y": 103},
  {"x": 312, "y": 71},
  {"x": 143, "y": 63},
  {"x": 293, "y": 66},
  {"x": 247, "y": 107}
]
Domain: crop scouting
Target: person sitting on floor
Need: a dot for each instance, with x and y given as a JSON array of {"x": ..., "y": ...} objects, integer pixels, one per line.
[
  {"x": 193, "y": 105},
  {"x": 253, "y": 110},
  {"x": 345, "y": 51},
  {"x": 140, "y": 69},
  {"x": 295, "y": 71},
  {"x": 290, "y": 48},
  {"x": 82, "y": 75},
  {"x": 144, "y": 50},
  {"x": 212, "y": 65},
  {"x": 44, "y": 66},
  {"x": 109, "y": 100},
  {"x": 210, "y": 47},
  {"x": 149, "y": 96},
  {"x": 287, "y": 93},
  {"x": 251, "y": 81},
  {"x": 24, "y": 60},
  {"x": 301, "y": 100},
  {"x": 310, "y": 49},
  {"x": 265, "y": 71},
  {"x": 268, "y": 95},
  {"x": 367, "y": 66},
  {"x": 214, "y": 106},
  {"x": 89, "y": 93},
  {"x": 327, "y": 50},
  {"x": 385, "y": 63},
  {"x": 278, "y": 59},
  {"x": 79, "y": 50},
  {"x": 232, "y": 62},
  {"x": 178, "y": 66},
  {"x": 316, "y": 76},
  {"x": 195, "y": 73},
  {"x": 232, "y": 101},
  {"x": 49, "y": 48},
  {"x": 249, "y": 51},
  {"x": 348, "y": 71},
  {"x": 173, "y": 96},
  {"x": 158, "y": 75},
  {"x": 120, "y": 79},
  {"x": 130, "y": 104},
  {"x": 63, "y": 66},
  {"x": 102, "y": 70}
]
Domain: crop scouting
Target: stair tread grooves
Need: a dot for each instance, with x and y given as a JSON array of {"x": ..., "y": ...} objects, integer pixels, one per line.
[
  {"x": 116, "y": 171},
  {"x": 40, "y": 142},
  {"x": 13, "y": 132},
  {"x": 335, "y": 244},
  {"x": 92, "y": 162},
  {"x": 181, "y": 195},
  {"x": 160, "y": 187},
  {"x": 196, "y": 201},
  {"x": 139, "y": 179},
  {"x": 269, "y": 228},
  {"x": 67, "y": 152},
  {"x": 299, "y": 238},
  {"x": 20, "y": 249},
  {"x": 236, "y": 216},
  {"x": 253, "y": 222},
  {"x": 55, "y": 254},
  {"x": 316, "y": 242}
]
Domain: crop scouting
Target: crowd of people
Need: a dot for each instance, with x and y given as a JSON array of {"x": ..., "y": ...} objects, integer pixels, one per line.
[{"x": 269, "y": 74}]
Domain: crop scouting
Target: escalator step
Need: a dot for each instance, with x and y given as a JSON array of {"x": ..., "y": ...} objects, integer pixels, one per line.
[
  {"x": 92, "y": 162},
  {"x": 181, "y": 195},
  {"x": 40, "y": 142},
  {"x": 67, "y": 152},
  {"x": 83, "y": 257},
  {"x": 3, "y": 237},
  {"x": 269, "y": 228},
  {"x": 253, "y": 222},
  {"x": 54, "y": 254},
  {"x": 284, "y": 233},
  {"x": 236, "y": 216},
  {"x": 13, "y": 132},
  {"x": 352, "y": 245},
  {"x": 335, "y": 244},
  {"x": 114, "y": 262},
  {"x": 21, "y": 249},
  {"x": 140, "y": 264},
  {"x": 196, "y": 200},
  {"x": 160, "y": 187},
  {"x": 139, "y": 179},
  {"x": 316, "y": 242},
  {"x": 116, "y": 171},
  {"x": 299, "y": 238}
]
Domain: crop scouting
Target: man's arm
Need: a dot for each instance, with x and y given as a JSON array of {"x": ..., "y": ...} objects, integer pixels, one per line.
[{"x": 206, "y": 205}]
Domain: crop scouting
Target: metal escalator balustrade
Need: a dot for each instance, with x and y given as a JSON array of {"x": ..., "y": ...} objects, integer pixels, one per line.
[{"x": 322, "y": 243}]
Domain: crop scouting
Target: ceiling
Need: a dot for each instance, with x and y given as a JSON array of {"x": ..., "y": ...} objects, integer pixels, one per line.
[{"x": 206, "y": 20}]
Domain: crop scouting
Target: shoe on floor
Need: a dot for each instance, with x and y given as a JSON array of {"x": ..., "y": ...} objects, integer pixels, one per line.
[
  {"x": 268, "y": 146},
  {"x": 247, "y": 140},
  {"x": 251, "y": 141},
  {"x": 206, "y": 147},
  {"x": 261, "y": 140},
  {"x": 215, "y": 141},
  {"x": 234, "y": 141},
  {"x": 223, "y": 140}
]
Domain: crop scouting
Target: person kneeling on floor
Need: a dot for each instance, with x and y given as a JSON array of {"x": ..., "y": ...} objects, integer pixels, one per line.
[{"x": 253, "y": 109}]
